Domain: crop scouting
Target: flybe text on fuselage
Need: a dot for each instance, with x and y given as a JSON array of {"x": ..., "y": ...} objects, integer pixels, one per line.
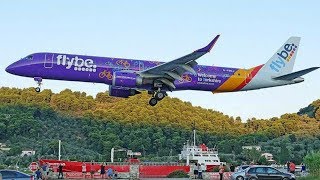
[
  {"x": 78, "y": 64},
  {"x": 285, "y": 55}
]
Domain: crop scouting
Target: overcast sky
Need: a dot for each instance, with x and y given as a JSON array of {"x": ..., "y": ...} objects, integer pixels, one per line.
[{"x": 251, "y": 31}]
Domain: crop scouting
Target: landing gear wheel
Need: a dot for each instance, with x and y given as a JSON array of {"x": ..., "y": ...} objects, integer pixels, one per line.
[
  {"x": 239, "y": 178},
  {"x": 39, "y": 82},
  {"x": 153, "y": 101},
  {"x": 37, "y": 89},
  {"x": 159, "y": 95}
]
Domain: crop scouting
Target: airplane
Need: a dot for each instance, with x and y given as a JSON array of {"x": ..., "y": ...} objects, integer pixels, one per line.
[{"x": 128, "y": 77}]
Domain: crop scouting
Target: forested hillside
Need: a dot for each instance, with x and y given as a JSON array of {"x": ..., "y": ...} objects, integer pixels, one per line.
[{"x": 89, "y": 127}]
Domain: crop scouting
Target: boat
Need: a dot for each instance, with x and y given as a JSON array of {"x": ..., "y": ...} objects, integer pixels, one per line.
[{"x": 201, "y": 154}]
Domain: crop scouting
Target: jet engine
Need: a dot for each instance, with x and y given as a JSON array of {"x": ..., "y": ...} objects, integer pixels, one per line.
[
  {"x": 122, "y": 91},
  {"x": 126, "y": 79}
]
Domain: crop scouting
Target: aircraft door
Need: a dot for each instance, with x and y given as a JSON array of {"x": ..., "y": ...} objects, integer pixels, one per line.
[
  {"x": 48, "y": 60},
  {"x": 141, "y": 66}
]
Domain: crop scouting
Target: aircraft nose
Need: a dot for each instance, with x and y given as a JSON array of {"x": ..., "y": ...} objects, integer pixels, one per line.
[
  {"x": 9, "y": 69},
  {"x": 13, "y": 68}
]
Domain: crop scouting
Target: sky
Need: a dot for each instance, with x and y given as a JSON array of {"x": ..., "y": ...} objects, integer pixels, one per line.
[{"x": 251, "y": 31}]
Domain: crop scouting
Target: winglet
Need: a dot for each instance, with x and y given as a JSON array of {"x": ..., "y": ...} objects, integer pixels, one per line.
[{"x": 209, "y": 46}]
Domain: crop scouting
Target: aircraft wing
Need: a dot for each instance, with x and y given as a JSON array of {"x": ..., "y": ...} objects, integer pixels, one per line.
[{"x": 173, "y": 70}]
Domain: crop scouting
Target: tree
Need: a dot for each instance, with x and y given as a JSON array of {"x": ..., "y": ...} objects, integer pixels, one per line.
[
  {"x": 252, "y": 155},
  {"x": 14, "y": 151},
  {"x": 312, "y": 161},
  {"x": 284, "y": 154}
]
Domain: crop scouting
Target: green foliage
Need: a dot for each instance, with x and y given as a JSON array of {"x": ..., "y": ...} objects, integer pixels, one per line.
[
  {"x": 178, "y": 174},
  {"x": 263, "y": 160},
  {"x": 14, "y": 151},
  {"x": 312, "y": 161},
  {"x": 3, "y": 166},
  {"x": 313, "y": 110},
  {"x": 284, "y": 155},
  {"x": 252, "y": 155},
  {"x": 310, "y": 177},
  {"x": 89, "y": 127}
]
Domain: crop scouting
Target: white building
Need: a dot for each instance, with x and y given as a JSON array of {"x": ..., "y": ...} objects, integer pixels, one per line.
[
  {"x": 3, "y": 147},
  {"x": 258, "y": 148},
  {"x": 28, "y": 153},
  {"x": 268, "y": 156}
]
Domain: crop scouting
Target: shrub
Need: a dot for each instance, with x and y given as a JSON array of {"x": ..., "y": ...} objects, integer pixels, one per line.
[
  {"x": 312, "y": 161},
  {"x": 178, "y": 174}
]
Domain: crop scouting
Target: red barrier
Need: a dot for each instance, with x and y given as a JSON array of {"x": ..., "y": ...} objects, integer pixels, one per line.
[
  {"x": 160, "y": 171},
  {"x": 75, "y": 166}
]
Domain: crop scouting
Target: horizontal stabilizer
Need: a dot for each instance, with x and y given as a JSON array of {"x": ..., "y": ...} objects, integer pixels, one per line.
[{"x": 294, "y": 75}]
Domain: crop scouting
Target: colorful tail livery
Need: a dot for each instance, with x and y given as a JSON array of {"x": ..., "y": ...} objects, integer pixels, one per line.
[
  {"x": 283, "y": 60},
  {"x": 127, "y": 77}
]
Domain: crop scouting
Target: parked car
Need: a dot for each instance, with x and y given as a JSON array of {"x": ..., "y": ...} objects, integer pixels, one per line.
[
  {"x": 239, "y": 173},
  {"x": 15, "y": 175},
  {"x": 242, "y": 167},
  {"x": 266, "y": 173}
]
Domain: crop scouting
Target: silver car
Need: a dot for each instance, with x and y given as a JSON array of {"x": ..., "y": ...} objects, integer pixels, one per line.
[{"x": 240, "y": 173}]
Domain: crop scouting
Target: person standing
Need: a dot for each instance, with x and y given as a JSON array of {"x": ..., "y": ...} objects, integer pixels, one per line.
[
  {"x": 195, "y": 170},
  {"x": 84, "y": 169},
  {"x": 38, "y": 173},
  {"x": 103, "y": 171},
  {"x": 232, "y": 168},
  {"x": 92, "y": 170},
  {"x": 221, "y": 171},
  {"x": 292, "y": 167},
  {"x": 303, "y": 169},
  {"x": 44, "y": 171},
  {"x": 60, "y": 169},
  {"x": 110, "y": 173},
  {"x": 288, "y": 166},
  {"x": 199, "y": 171}
]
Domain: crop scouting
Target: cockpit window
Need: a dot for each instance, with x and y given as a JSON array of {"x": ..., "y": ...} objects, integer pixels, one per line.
[{"x": 29, "y": 57}]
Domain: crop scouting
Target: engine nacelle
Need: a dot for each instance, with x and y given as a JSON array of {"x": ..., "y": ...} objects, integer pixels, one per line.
[
  {"x": 122, "y": 92},
  {"x": 126, "y": 79}
]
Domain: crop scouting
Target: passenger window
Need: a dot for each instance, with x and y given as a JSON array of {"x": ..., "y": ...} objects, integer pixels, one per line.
[
  {"x": 251, "y": 170},
  {"x": 29, "y": 57},
  {"x": 272, "y": 171},
  {"x": 260, "y": 170}
]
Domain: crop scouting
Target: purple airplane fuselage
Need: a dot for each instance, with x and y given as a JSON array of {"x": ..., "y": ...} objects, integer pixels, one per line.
[{"x": 101, "y": 70}]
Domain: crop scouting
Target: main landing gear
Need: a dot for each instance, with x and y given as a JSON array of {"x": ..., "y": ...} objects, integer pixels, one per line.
[
  {"x": 157, "y": 96},
  {"x": 39, "y": 82}
]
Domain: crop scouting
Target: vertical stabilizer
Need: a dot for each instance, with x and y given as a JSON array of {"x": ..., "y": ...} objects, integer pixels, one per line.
[{"x": 283, "y": 60}]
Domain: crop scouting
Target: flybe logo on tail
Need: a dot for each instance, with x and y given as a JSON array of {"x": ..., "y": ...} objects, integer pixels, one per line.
[
  {"x": 285, "y": 55},
  {"x": 78, "y": 64}
]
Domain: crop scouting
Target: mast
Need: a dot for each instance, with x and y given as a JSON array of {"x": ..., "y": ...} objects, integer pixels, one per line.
[
  {"x": 194, "y": 133},
  {"x": 59, "y": 150}
]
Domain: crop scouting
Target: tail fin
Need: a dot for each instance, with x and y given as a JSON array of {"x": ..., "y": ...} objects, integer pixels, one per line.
[{"x": 283, "y": 60}]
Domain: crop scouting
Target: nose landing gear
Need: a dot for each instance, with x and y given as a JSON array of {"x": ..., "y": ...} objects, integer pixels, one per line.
[{"x": 39, "y": 82}]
